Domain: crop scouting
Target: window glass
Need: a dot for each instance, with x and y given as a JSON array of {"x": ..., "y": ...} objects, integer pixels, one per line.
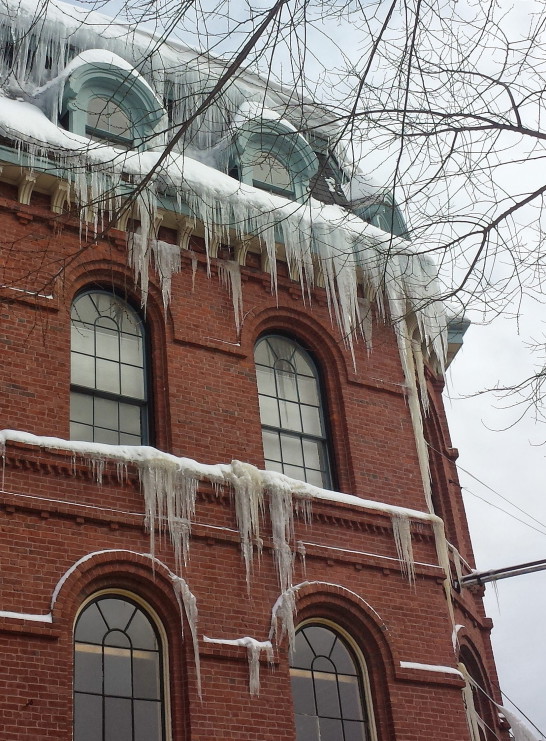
[
  {"x": 118, "y": 686},
  {"x": 291, "y": 411},
  {"x": 106, "y": 117},
  {"x": 327, "y": 688},
  {"x": 268, "y": 171},
  {"x": 108, "y": 373}
]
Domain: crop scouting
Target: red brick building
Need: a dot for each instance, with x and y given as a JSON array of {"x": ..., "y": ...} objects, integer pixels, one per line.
[{"x": 175, "y": 555}]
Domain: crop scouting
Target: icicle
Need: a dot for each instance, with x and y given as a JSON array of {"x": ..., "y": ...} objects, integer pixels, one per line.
[
  {"x": 169, "y": 497},
  {"x": 229, "y": 273},
  {"x": 520, "y": 730},
  {"x": 408, "y": 366},
  {"x": 282, "y": 524},
  {"x": 187, "y": 600},
  {"x": 473, "y": 719},
  {"x": 301, "y": 551},
  {"x": 97, "y": 468},
  {"x": 283, "y": 612},
  {"x": 401, "y": 527},
  {"x": 247, "y": 486},
  {"x": 254, "y": 651},
  {"x": 121, "y": 471},
  {"x": 194, "y": 264},
  {"x": 167, "y": 261}
]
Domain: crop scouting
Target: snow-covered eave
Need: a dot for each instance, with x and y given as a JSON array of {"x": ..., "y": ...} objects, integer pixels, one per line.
[
  {"x": 174, "y": 55},
  {"x": 219, "y": 474}
]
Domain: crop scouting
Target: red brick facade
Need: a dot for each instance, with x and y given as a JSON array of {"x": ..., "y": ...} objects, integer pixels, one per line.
[{"x": 65, "y": 537}]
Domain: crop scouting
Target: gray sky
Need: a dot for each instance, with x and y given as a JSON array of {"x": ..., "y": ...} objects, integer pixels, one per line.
[{"x": 512, "y": 462}]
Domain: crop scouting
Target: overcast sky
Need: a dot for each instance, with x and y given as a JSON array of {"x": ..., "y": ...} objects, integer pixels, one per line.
[{"x": 512, "y": 462}]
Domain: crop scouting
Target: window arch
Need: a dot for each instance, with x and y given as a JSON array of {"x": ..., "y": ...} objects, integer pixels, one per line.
[
  {"x": 291, "y": 411},
  {"x": 270, "y": 154},
  {"x": 118, "y": 672},
  {"x": 106, "y": 99},
  {"x": 329, "y": 687},
  {"x": 108, "y": 400}
]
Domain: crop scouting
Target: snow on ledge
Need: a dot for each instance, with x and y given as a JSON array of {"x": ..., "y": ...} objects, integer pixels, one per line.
[
  {"x": 26, "y": 616},
  {"x": 220, "y": 473},
  {"x": 431, "y": 668}
]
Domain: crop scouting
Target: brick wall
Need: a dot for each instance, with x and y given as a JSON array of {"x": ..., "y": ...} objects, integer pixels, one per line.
[{"x": 205, "y": 406}]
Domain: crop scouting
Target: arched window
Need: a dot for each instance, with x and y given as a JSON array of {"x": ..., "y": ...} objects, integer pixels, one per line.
[
  {"x": 270, "y": 154},
  {"x": 291, "y": 411},
  {"x": 331, "y": 699},
  {"x": 118, "y": 673},
  {"x": 108, "y": 400},
  {"x": 106, "y": 99}
]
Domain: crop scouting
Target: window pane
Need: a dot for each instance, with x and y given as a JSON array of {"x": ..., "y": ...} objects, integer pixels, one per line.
[
  {"x": 117, "y": 612},
  {"x": 131, "y": 349},
  {"x": 147, "y": 721},
  {"x": 312, "y": 453},
  {"x": 118, "y": 724},
  {"x": 326, "y": 695},
  {"x": 82, "y": 338},
  {"x": 117, "y": 671},
  {"x": 132, "y": 381},
  {"x": 342, "y": 659},
  {"x": 107, "y": 343},
  {"x": 90, "y": 627},
  {"x": 287, "y": 386},
  {"x": 308, "y": 390},
  {"x": 109, "y": 437},
  {"x": 290, "y": 415},
  {"x": 355, "y": 731},
  {"x": 350, "y": 698},
  {"x": 268, "y": 169},
  {"x": 81, "y": 408},
  {"x": 87, "y": 717},
  {"x": 266, "y": 381},
  {"x": 106, "y": 413},
  {"x": 129, "y": 418},
  {"x": 321, "y": 639},
  {"x": 330, "y": 730},
  {"x": 302, "y": 692},
  {"x": 291, "y": 450},
  {"x": 88, "y": 669},
  {"x": 317, "y": 478},
  {"x": 81, "y": 432},
  {"x": 146, "y": 675},
  {"x": 307, "y": 728},
  {"x": 294, "y": 472},
  {"x": 311, "y": 420},
  {"x": 269, "y": 412},
  {"x": 108, "y": 376},
  {"x": 83, "y": 370},
  {"x": 272, "y": 445}
]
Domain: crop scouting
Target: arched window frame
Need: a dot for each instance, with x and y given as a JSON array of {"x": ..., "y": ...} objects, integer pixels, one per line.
[
  {"x": 360, "y": 663},
  {"x": 322, "y": 440},
  {"x": 281, "y": 141},
  {"x": 126, "y": 88},
  {"x": 158, "y": 627},
  {"x": 99, "y": 393}
]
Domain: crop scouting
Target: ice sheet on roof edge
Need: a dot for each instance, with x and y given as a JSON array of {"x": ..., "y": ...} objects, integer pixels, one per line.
[
  {"x": 65, "y": 30},
  {"x": 169, "y": 486}
]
